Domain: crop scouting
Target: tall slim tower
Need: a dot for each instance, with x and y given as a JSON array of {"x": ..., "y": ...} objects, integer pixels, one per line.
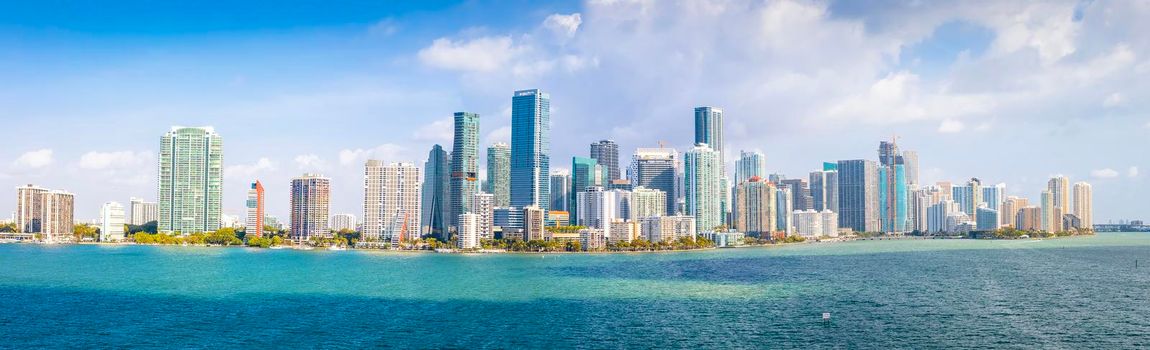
[
  {"x": 499, "y": 174},
  {"x": 560, "y": 189},
  {"x": 1059, "y": 187},
  {"x": 750, "y": 164},
  {"x": 191, "y": 180},
  {"x": 606, "y": 153},
  {"x": 436, "y": 209},
  {"x": 701, "y": 185},
  {"x": 530, "y": 149},
  {"x": 310, "y": 207},
  {"x": 464, "y": 163},
  {"x": 1084, "y": 203},
  {"x": 391, "y": 207},
  {"x": 255, "y": 220},
  {"x": 858, "y": 195}
]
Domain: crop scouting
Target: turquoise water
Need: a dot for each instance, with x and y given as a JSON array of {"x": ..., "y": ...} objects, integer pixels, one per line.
[{"x": 1065, "y": 293}]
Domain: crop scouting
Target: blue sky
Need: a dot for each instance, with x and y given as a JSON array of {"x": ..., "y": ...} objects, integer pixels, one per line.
[{"x": 1009, "y": 92}]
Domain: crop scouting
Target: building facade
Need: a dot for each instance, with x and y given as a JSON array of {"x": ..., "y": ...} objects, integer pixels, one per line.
[
  {"x": 499, "y": 173},
  {"x": 143, "y": 212},
  {"x": 435, "y": 204},
  {"x": 657, "y": 168},
  {"x": 191, "y": 180},
  {"x": 531, "y": 149},
  {"x": 858, "y": 195},
  {"x": 310, "y": 207},
  {"x": 1084, "y": 204},
  {"x": 702, "y": 187},
  {"x": 464, "y": 163},
  {"x": 606, "y": 153},
  {"x": 112, "y": 222},
  {"x": 756, "y": 212},
  {"x": 254, "y": 222}
]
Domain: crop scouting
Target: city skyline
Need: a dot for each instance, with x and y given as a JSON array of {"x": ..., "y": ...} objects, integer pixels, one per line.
[{"x": 115, "y": 169}]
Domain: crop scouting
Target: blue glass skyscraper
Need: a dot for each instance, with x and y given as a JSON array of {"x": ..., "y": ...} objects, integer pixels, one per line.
[
  {"x": 892, "y": 196},
  {"x": 530, "y": 148}
]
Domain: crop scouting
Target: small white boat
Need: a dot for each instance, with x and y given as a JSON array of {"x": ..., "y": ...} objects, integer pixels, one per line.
[{"x": 336, "y": 247}]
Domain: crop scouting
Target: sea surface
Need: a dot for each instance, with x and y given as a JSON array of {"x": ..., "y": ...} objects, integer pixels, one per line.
[{"x": 1071, "y": 293}]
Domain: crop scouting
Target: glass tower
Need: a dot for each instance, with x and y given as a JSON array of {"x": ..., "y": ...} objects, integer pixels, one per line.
[
  {"x": 191, "y": 180},
  {"x": 701, "y": 185},
  {"x": 499, "y": 174},
  {"x": 435, "y": 193},
  {"x": 530, "y": 149},
  {"x": 464, "y": 164},
  {"x": 606, "y": 152}
]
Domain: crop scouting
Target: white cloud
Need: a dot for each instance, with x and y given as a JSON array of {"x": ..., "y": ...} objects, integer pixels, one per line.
[
  {"x": 33, "y": 160},
  {"x": 309, "y": 162},
  {"x": 565, "y": 25},
  {"x": 1113, "y": 100},
  {"x": 1132, "y": 172},
  {"x": 501, "y": 134},
  {"x": 477, "y": 55},
  {"x": 951, "y": 126},
  {"x": 119, "y": 159},
  {"x": 386, "y": 152},
  {"x": 1104, "y": 173},
  {"x": 442, "y": 130},
  {"x": 246, "y": 171},
  {"x": 385, "y": 27}
]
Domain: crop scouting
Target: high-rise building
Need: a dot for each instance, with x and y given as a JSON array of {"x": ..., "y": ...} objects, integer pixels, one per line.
[
  {"x": 606, "y": 153},
  {"x": 560, "y": 189},
  {"x": 191, "y": 180},
  {"x": 1051, "y": 213},
  {"x": 534, "y": 223},
  {"x": 701, "y": 186},
  {"x": 597, "y": 208},
  {"x": 968, "y": 197},
  {"x": 648, "y": 202},
  {"x": 987, "y": 218},
  {"x": 784, "y": 206},
  {"x": 668, "y": 228},
  {"x": 1029, "y": 219},
  {"x": 310, "y": 207},
  {"x": 937, "y": 215},
  {"x": 892, "y": 198},
  {"x": 531, "y": 149},
  {"x": 464, "y": 163},
  {"x": 1059, "y": 187},
  {"x": 858, "y": 195},
  {"x": 435, "y": 204},
  {"x": 1010, "y": 208},
  {"x": 59, "y": 215},
  {"x": 585, "y": 173},
  {"x": 657, "y": 168},
  {"x": 910, "y": 165},
  {"x": 825, "y": 190},
  {"x": 709, "y": 130},
  {"x": 801, "y": 197},
  {"x": 111, "y": 222},
  {"x": 994, "y": 197},
  {"x": 30, "y": 208},
  {"x": 888, "y": 153},
  {"x": 499, "y": 173},
  {"x": 810, "y": 223},
  {"x": 484, "y": 209},
  {"x": 143, "y": 212},
  {"x": 391, "y": 205},
  {"x": 750, "y": 164},
  {"x": 340, "y": 222},
  {"x": 468, "y": 231},
  {"x": 254, "y": 222},
  {"x": 1084, "y": 204},
  {"x": 755, "y": 207}
]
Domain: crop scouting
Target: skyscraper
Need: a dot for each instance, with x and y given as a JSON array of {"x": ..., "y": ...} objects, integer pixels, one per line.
[
  {"x": 191, "y": 180},
  {"x": 435, "y": 205},
  {"x": 391, "y": 205},
  {"x": 657, "y": 168},
  {"x": 968, "y": 197},
  {"x": 464, "y": 163},
  {"x": 825, "y": 190},
  {"x": 530, "y": 149},
  {"x": 59, "y": 215},
  {"x": 755, "y": 203},
  {"x": 30, "y": 208},
  {"x": 800, "y": 193},
  {"x": 254, "y": 224},
  {"x": 709, "y": 131},
  {"x": 648, "y": 202},
  {"x": 499, "y": 173},
  {"x": 310, "y": 207},
  {"x": 484, "y": 209},
  {"x": 112, "y": 222},
  {"x": 1084, "y": 203},
  {"x": 560, "y": 189},
  {"x": 994, "y": 197},
  {"x": 910, "y": 163},
  {"x": 892, "y": 198},
  {"x": 750, "y": 164},
  {"x": 143, "y": 212},
  {"x": 858, "y": 195},
  {"x": 585, "y": 173},
  {"x": 340, "y": 222},
  {"x": 1059, "y": 187},
  {"x": 606, "y": 153},
  {"x": 701, "y": 185}
]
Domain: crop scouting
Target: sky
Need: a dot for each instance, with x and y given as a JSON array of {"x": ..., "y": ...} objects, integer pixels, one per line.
[{"x": 1006, "y": 91}]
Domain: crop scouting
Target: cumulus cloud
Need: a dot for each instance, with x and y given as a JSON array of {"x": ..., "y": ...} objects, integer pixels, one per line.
[
  {"x": 441, "y": 130},
  {"x": 386, "y": 152},
  {"x": 33, "y": 160},
  {"x": 245, "y": 171},
  {"x": 1104, "y": 173},
  {"x": 476, "y": 55},
  {"x": 309, "y": 162},
  {"x": 564, "y": 25}
]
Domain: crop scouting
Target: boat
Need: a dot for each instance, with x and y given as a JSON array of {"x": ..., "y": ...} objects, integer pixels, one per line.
[{"x": 336, "y": 247}]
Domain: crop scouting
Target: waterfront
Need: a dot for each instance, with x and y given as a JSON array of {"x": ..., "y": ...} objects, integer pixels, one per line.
[{"x": 1068, "y": 293}]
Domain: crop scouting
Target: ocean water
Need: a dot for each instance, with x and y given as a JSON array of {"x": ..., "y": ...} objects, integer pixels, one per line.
[{"x": 1065, "y": 293}]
